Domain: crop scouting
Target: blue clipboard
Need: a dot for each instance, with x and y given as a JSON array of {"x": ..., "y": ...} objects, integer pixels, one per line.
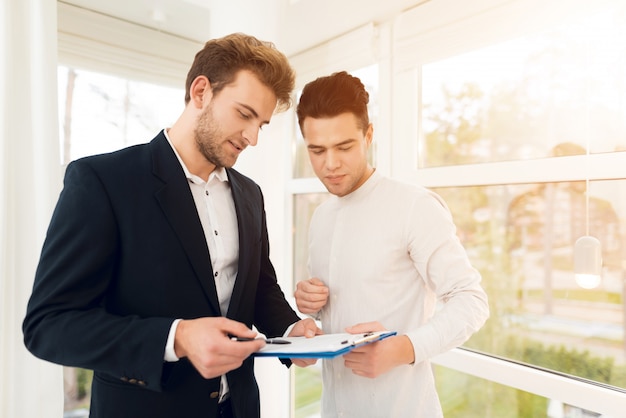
[{"x": 321, "y": 346}]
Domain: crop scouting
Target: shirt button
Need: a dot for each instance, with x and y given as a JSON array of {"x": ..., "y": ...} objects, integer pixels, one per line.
[
  {"x": 214, "y": 395},
  {"x": 215, "y": 274}
]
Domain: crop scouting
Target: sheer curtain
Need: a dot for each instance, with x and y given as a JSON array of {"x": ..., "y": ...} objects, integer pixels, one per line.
[{"x": 30, "y": 180}]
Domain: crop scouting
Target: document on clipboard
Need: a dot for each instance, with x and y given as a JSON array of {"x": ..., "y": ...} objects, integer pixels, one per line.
[{"x": 320, "y": 346}]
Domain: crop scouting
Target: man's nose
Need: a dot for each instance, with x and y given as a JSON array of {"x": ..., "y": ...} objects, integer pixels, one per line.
[
  {"x": 251, "y": 135},
  {"x": 332, "y": 160}
]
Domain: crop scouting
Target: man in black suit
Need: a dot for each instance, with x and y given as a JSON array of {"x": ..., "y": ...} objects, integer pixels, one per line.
[{"x": 156, "y": 255}]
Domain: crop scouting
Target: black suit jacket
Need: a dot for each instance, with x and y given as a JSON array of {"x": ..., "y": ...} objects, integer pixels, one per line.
[{"x": 124, "y": 256}]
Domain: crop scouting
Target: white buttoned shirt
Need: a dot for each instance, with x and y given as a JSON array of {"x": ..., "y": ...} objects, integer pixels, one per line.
[
  {"x": 389, "y": 253},
  {"x": 216, "y": 209}
]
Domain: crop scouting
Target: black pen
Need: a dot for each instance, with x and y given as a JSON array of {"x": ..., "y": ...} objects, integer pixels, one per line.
[{"x": 267, "y": 340}]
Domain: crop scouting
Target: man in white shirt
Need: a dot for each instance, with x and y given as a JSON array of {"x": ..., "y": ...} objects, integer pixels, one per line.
[{"x": 382, "y": 255}]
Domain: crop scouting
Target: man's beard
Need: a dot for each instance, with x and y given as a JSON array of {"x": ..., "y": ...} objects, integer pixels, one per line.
[{"x": 207, "y": 135}]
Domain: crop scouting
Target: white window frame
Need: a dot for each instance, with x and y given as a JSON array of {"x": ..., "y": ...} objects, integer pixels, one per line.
[{"x": 440, "y": 29}]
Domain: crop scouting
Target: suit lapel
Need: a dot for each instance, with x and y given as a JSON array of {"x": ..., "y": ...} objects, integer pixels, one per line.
[
  {"x": 177, "y": 203},
  {"x": 245, "y": 219}
]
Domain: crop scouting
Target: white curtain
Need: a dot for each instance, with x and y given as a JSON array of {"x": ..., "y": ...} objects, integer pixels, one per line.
[{"x": 30, "y": 174}]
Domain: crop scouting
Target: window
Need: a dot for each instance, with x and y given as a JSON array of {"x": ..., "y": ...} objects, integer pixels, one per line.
[
  {"x": 509, "y": 132},
  {"x": 465, "y": 396},
  {"x": 522, "y": 98},
  {"x": 102, "y": 113},
  {"x": 521, "y": 238},
  {"x": 551, "y": 94}
]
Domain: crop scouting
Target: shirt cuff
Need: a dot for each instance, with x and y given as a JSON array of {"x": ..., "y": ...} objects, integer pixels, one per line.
[
  {"x": 289, "y": 328},
  {"x": 170, "y": 353}
]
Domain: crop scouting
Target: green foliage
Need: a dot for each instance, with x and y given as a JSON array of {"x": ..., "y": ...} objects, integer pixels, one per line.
[
  {"x": 309, "y": 391},
  {"x": 458, "y": 127},
  {"x": 585, "y": 295},
  {"x": 464, "y": 396},
  {"x": 558, "y": 358},
  {"x": 618, "y": 377},
  {"x": 530, "y": 405},
  {"x": 83, "y": 382}
]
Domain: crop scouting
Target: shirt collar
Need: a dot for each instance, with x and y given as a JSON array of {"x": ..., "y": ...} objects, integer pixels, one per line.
[{"x": 218, "y": 173}]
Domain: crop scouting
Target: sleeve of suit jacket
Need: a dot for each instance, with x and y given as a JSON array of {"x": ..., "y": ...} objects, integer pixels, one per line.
[{"x": 74, "y": 316}]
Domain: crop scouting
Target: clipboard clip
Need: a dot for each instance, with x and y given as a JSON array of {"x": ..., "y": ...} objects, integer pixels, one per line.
[{"x": 368, "y": 336}]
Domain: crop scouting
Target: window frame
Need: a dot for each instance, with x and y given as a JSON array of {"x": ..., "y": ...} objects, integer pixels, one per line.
[
  {"x": 592, "y": 396},
  {"x": 444, "y": 28}
]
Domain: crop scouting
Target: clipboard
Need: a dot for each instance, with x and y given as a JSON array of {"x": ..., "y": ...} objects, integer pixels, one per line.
[{"x": 321, "y": 346}]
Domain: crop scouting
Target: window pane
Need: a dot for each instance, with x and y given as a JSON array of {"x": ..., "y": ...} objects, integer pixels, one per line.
[
  {"x": 516, "y": 100},
  {"x": 308, "y": 381},
  {"x": 369, "y": 77},
  {"x": 521, "y": 238},
  {"x": 303, "y": 207},
  {"x": 102, "y": 113},
  {"x": 308, "y": 393},
  {"x": 465, "y": 396}
]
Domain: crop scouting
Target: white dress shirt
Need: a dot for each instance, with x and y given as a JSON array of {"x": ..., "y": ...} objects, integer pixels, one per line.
[
  {"x": 389, "y": 253},
  {"x": 216, "y": 209}
]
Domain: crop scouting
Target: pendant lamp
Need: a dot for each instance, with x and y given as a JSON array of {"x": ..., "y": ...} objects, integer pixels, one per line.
[
  {"x": 587, "y": 262},
  {"x": 587, "y": 249}
]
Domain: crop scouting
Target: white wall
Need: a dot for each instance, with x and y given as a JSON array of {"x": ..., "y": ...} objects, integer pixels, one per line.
[{"x": 29, "y": 388}]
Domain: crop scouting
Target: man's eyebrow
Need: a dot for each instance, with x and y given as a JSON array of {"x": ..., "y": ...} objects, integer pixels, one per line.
[
  {"x": 342, "y": 143},
  {"x": 346, "y": 142},
  {"x": 253, "y": 112}
]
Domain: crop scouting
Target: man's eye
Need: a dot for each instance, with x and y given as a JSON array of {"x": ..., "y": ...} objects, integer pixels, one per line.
[
  {"x": 244, "y": 115},
  {"x": 344, "y": 148}
]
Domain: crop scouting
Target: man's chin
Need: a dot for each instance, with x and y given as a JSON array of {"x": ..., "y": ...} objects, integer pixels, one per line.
[
  {"x": 229, "y": 163},
  {"x": 223, "y": 162},
  {"x": 334, "y": 189}
]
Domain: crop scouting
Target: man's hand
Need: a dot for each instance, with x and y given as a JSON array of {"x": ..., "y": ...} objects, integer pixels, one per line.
[
  {"x": 305, "y": 328},
  {"x": 207, "y": 344},
  {"x": 375, "y": 359},
  {"x": 311, "y": 295},
  {"x": 308, "y": 328}
]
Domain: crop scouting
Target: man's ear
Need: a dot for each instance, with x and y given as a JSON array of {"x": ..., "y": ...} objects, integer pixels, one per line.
[
  {"x": 369, "y": 134},
  {"x": 200, "y": 91}
]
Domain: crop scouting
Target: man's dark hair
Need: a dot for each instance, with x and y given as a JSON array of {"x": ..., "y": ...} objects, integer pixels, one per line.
[{"x": 330, "y": 96}]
